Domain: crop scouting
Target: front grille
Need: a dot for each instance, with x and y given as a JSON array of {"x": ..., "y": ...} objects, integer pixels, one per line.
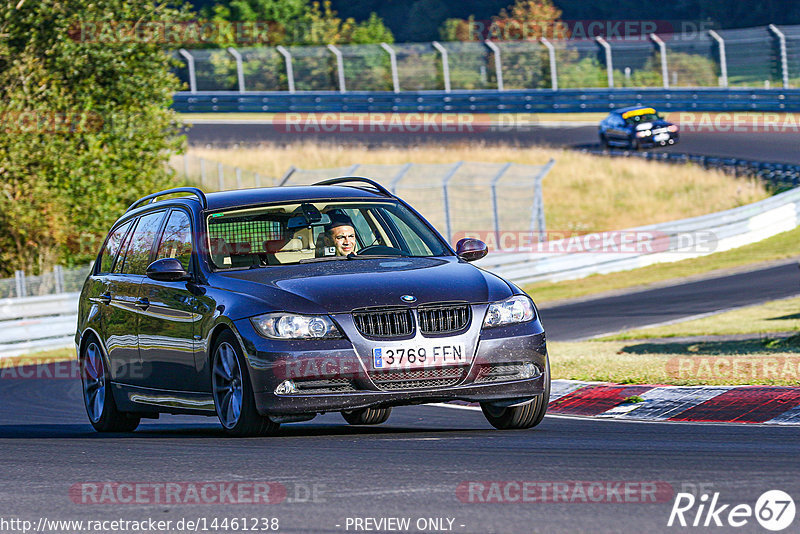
[
  {"x": 419, "y": 378},
  {"x": 384, "y": 322},
  {"x": 443, "y": 318}
]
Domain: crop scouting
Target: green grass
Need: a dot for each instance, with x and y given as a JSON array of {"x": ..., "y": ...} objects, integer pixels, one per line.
[
  {"x": 756, "y": 361},
  {"x": 781, "y": 246},
  {"x": 33, "y": 358}
]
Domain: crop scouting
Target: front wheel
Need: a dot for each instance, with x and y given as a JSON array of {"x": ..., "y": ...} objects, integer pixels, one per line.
[
  {"x": 367, "y": 416},
  {"x": 233, "y": 393},
  {"x": 528, "y": 415},
  {"x": 97, "y": 396}
]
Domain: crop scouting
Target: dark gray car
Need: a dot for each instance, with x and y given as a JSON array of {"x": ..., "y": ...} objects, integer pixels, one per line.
[{"x": 246, "y": 305}]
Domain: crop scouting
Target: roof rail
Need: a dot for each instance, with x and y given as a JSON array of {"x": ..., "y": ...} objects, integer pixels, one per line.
[
  {"x": 345, "y": 179},
  {"x": 152, "y": 198}
]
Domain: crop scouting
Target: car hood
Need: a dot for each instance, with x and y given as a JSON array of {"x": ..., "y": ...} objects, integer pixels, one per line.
[{"x": 341, "y": 286}]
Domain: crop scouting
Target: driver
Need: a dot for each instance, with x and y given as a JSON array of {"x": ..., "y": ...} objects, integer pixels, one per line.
[{"x": 341, "y": 234}]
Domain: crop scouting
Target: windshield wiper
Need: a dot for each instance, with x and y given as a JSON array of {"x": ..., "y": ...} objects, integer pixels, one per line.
[{"x": 324, "y": 258}]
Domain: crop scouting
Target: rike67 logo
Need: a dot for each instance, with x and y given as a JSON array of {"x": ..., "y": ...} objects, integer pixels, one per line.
[{"x": 774, "y": 510}]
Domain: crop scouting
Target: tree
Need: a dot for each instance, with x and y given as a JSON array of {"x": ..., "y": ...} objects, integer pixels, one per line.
[{"x": 87, "y": 127}]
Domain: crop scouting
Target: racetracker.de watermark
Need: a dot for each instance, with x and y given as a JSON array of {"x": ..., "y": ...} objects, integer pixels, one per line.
[
  {"x": 413, "y": 123},
  {"x": 604, "y": 242},
  {"x": 734, "y": 368},
  {"x": 511, "y": 29},
  {"x": 188, "y": 493},
  {"x": 567, "y": 491},
  {"x": 736, "y": 122},
  {"x": 175, "y": 33}
]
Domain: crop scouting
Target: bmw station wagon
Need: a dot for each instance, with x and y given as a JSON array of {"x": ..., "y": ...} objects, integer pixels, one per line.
[
  {"x": 269, "y": 306},
  {"x": 637, "y": 127}
]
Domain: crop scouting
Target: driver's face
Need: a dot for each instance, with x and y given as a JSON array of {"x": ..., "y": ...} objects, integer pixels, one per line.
[{"x": 344, "y": 239}]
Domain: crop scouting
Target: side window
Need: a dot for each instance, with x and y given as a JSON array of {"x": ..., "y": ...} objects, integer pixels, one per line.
[
  {"x": 138, "y": 257},
  {"x": 112, "y": 248},
  {"x": 176, "y": 241}
]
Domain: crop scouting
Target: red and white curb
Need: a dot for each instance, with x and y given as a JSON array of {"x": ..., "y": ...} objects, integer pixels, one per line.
[{"x": 779, "y": 405}]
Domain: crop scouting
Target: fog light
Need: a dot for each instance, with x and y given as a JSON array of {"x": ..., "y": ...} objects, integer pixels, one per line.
[
  {"x": 285, "y": 388},
  {"x": 529, "y": 370}
]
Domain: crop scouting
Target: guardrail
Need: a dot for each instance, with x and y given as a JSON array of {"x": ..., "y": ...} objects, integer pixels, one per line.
[
  {"x": 490, "y": 101},
  {"x": 657, "y": 243},
  {"x": 37, "y": 323}
]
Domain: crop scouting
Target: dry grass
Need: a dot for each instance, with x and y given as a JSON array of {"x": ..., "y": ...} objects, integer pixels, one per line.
[{"x": 582, "y": 192}]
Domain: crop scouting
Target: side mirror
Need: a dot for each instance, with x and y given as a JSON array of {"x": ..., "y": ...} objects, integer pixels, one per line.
[
  {"x": 469, "y": 249},
  {"x": 167, "y": 270}
]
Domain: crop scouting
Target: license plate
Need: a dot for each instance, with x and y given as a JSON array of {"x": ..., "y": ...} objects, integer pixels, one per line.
[
  {"x": 661, "y": 137},
  {"x": 419, "y": 356}
]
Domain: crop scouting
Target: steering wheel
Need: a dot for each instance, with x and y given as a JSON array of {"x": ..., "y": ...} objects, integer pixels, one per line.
[{"x": 380, "y": 250}]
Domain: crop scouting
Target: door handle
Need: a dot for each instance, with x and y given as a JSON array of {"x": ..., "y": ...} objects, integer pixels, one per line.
[
  {"x": 104, "y": 298},
  {"x": 142, "y": 304}
]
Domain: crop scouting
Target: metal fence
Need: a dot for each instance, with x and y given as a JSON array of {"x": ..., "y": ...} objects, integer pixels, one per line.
[
  {"x": 764, "y": 57},
  {"x": 58, "y": 281},
  {"x": 455, "y": 197}
]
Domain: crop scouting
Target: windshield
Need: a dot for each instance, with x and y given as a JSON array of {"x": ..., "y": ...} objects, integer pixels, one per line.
[{"x": 317, "y": 231}]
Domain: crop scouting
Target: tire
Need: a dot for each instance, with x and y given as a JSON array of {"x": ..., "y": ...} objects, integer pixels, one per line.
[
  {"x": 233, "y": 392},
  {"x": 520, "y": 417},
  {"x": 367, "y": 416},
  {"x": 634, "y": 145},
  {"x": 603, "y": 141},
  {"x": 97, "y": 396}
]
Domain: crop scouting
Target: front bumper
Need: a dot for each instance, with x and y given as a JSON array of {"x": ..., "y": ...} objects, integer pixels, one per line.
[{"x": 349, "y": 384}]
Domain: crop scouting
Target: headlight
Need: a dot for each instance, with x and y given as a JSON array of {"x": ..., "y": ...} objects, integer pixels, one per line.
[
  {"x": 517, "y": 309},
  {"x": 672, "y": 128},
  {"x": 643, "y": 133},
  {"x": 292, "y": 326}
]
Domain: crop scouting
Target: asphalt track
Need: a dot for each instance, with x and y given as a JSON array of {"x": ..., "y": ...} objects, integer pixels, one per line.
[
  {"x": 776, "y": 147},
  {"x": 411, "y": 466},
  {"x": 593, "y": 317}
]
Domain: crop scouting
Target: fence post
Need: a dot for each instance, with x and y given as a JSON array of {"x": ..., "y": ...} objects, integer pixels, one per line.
[
  {"x": 537, "y": 215},
  {"x": 399, "y": 176},
  {"x": 495, "y": 214},
  {"x": 393, "y": 64},
  {"x": 445, "y": 65},
  {"x": 288, "y": 174},
  {"x": 498, "y": 65},
  {"x": 339, "y": 66},
  {"x": 257, "y": 180},
  {"x": 58, "y": 274},
  {"x": 239, "y": 67},
  {"x": 662, "y": 51},
  {"x": 190, "y": 65},
  {"x": 723, "y": 61},
  {"x": 784, "y": 61},
  {"x": 221, "y": 176},
  {"x": 186, "y": 165},
  {"x": 446, "y": 180},
  {"x": 238, "y": 178},
  {"x": 609, "y": 60},
  {"x": 20, "y": 280},
  {"x": 551, "y": 51},
  {"x": 203, "y": 172},
  {"x": 287, "y": 56},
  {"x": 353, "y": 169}
]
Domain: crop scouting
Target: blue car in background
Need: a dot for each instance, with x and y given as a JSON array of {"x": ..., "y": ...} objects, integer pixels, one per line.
[{"x": 637, "y": 127}]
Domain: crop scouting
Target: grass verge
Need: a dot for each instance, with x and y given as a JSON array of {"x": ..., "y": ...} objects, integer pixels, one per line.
[
  {"x": 781, "y": 246},
  {"x": 755, "y": 361},
  {"x": 35, "y": 358}
]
